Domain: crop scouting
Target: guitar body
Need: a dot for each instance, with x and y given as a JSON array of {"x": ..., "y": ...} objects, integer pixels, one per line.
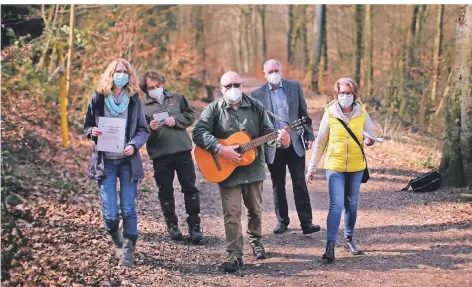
[{"x": 208, "y": 166}]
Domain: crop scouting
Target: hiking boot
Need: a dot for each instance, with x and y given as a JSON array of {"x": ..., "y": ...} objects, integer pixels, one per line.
[
  {"x": 259, "y": 251},
  {"x": 328, "y": 256},
  {"x": 127, "y": 253},
  {"x": 309, "y": 229},
  {"x": 196, "y": 234},
  {"x": 174, "y": 231},
  {"x": 232, "y": 264},
  {"x": 280, "y": 228},
  {"x": 351, "y": 247},
  {"x": 117, "y": 239}
]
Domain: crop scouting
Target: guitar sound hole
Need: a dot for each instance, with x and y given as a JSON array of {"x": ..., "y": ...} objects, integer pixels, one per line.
[{"x": 238, "y": 150}]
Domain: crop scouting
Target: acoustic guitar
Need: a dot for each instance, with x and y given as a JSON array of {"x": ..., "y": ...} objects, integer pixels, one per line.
[{"x": 216, "y": 168}]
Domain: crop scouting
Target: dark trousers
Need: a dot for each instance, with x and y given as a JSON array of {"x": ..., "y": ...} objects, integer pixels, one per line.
[
  {"x": 164, "y": 172},
  {"x": 296, "y": 166}
]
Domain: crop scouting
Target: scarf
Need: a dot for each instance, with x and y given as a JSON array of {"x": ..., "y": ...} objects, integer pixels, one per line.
[{"x": 116, "y": 109}]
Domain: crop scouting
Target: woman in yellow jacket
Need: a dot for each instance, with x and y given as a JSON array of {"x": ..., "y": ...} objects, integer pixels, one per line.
[{"x": 344, "y": 163}]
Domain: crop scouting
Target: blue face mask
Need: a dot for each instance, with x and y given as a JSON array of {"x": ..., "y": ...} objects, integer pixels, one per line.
[{"x": 120, "y": 79}]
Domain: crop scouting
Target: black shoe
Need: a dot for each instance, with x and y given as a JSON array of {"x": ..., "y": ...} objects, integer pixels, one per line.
[
  {"x": 280, "y": 228},
  {"x": 196, "y": 233},
  {"x": 259, "y": 251},
  {"x": 232, "y": 264},
  {"x": 174, "y": 231},
  {"x": 351, "y": 247},
  {"x": 309, "y": 229},
  {"x": 328, "y": 256}
]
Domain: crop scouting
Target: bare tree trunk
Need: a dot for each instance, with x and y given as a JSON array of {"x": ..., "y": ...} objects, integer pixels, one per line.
[
  {"x": 290, "y": 40},
  {"x": 262, "y": 10},
  {"x": 411, "y": 41},
  {"x": 368, "y": 55},
  {"x": 465, "y": 21},
  {"x": 456, "y": 162},
  {"x": 303, "y": 31},
  {"x": 71, "y": 46},
  {"x": 240, "y": 40},
  {"x": 199, "y": 26},
  {"x": 247, "y": 43},
  {"x": 54, "y": 55},
  {"x": 419, "y": 88},
  {"x": 324, "y": 47},
  {"x": 47, "y": 20},
  {"x": 254, "y": 39},
  {"x": 318, "y": 28},
  {"x": 437, "y": 52},
  {"x": 359, "y": 43},
  {"x": 444, "y": 96},
  {"x": 63, "y": 98}
]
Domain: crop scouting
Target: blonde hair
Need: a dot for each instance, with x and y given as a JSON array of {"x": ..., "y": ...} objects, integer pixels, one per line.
[
  {"x": 106, "y": 81},
  {"x": 347, "y": 82}
]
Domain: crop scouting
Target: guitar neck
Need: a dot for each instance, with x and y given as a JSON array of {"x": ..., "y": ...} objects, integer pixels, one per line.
[{"x": 259, "y": 141}]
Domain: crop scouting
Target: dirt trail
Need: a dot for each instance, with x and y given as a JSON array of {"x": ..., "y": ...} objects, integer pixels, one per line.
[
  {"x": 411, "y": 239},
  {"x": 424, "y": 237}
]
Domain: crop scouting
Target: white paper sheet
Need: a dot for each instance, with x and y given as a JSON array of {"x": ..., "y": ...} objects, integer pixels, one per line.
[
  {"x": 160, "y": 116},
  {"x": 113, "y": 137},
  {"x": 379, "y": 140}
]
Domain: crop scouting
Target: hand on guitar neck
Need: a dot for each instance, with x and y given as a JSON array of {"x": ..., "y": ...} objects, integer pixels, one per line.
[{"x": 283, "y": 137}]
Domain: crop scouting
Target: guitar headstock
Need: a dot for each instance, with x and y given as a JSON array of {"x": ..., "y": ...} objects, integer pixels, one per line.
[{"x": 299, "y": 124}]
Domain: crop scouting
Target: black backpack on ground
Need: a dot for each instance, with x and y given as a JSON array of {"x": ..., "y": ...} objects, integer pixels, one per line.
[{"x": 428, "y": 182}]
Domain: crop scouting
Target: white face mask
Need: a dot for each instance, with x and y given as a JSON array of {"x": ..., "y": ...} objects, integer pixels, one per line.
[
  {"x": 274, "y": 78},
  {"x": 233, "y": 96},
  {"x": 345, "y": 100},
  {"x": 156, "y": 93}
]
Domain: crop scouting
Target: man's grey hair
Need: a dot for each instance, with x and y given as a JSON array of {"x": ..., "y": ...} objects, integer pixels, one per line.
[{"x": 266, "y": 63}]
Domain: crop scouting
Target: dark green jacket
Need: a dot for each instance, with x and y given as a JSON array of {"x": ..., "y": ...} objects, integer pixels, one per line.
[
  {"x": 220, "y": 120},
  {"x": 169, "y": 140}
]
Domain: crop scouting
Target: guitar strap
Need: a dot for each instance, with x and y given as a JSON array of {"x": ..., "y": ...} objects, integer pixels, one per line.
[{"x": 269, "y": 112}]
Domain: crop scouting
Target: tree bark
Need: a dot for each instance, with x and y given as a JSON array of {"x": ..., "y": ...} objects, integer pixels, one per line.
[
  {"x": 254, "y": 39},
  {"x": 247, "y": 39},
  {"x": 47, "y": 21},
  {"x": 444, "y": 96},
  {"x": 324, "y": 47},
  {"x": 419, "y": 83},
  {"x": 437, "y": 52},
  {"x": 465, "y": 22},
  {"x": 456, "y": 162},
  {"x": 303, "y": 30},
  {"x": 290, "y": 40},
  {"x": 71, "y": 46},
  {"x": 262, "y": 10},
  {"x": 359, "y": 15},
  {"x": 63, "y": 98},
  {"x": 318, "y": 29},
  {"x": 368, "y": 55}
]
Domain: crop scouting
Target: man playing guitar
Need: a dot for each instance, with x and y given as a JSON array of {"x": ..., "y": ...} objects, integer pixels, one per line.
[{"x": 236, "y": 112}]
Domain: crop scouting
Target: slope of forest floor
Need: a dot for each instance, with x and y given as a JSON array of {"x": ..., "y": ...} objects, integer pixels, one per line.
[{"x": 52, "y": 231}]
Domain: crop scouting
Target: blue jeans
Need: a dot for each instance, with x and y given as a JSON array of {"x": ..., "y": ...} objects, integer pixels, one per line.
[
  {"x": 344, "y": 189},
  {"x": 114, "y": 169}
]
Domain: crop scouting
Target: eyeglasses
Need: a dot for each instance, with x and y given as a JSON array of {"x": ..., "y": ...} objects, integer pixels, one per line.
[{"x": 236, "y": 85}]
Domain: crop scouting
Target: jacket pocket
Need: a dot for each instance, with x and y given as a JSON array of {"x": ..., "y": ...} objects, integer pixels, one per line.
[{"x": 331, "y": 153}]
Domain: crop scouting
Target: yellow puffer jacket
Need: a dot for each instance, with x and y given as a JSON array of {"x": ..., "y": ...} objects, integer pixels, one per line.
[{"x": 342, "y": 152}]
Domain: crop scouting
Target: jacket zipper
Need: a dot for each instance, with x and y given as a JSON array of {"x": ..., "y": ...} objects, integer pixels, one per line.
[{"x": 347, "y": 151}]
